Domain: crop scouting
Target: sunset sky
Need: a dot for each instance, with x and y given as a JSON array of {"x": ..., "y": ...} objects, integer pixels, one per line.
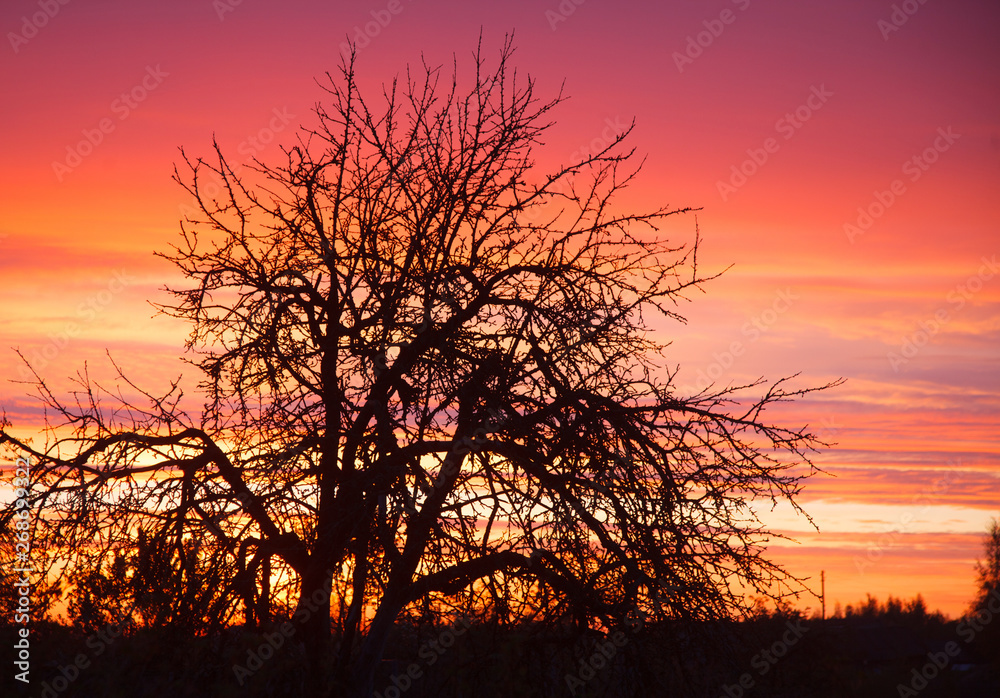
[{"x": 845, "y": 158}]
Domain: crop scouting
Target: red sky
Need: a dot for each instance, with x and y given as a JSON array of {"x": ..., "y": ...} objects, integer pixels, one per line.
[{"x": 833, "y": 102}]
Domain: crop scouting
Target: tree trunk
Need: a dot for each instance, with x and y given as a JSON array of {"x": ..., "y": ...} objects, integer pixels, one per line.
[
  {"x": 362, "y": 677},
  {"x": 312, "y": 624}
]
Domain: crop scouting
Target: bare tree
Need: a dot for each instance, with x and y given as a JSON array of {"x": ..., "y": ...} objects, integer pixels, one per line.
[{"x": 430, "y": 384}]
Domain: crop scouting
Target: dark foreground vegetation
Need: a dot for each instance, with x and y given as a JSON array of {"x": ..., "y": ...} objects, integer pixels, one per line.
[{"x": 893, "y": 649}]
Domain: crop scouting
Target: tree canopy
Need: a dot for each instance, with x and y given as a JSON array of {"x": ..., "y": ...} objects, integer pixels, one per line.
[{"x": 430, "y": 387}]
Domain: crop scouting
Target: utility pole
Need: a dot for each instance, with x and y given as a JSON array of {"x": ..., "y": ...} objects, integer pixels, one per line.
[{"x": 822, "y": 593}]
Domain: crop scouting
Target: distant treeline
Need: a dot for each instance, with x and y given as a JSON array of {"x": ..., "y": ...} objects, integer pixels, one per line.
[{"x": 865, "y": 649}]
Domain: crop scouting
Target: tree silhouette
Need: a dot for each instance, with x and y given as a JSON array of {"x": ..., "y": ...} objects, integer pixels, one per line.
[
  {"x": 429, "y": 387},
  {"x": 988, "y": 569},
  {"x": 982, "y": 614}
]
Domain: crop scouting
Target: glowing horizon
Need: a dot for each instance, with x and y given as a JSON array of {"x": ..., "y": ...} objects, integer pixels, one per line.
[{"x": 845, "y": 169}]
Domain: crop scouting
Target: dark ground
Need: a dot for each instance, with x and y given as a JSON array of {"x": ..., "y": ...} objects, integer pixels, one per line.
[{"x": 776, "y": 656}]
